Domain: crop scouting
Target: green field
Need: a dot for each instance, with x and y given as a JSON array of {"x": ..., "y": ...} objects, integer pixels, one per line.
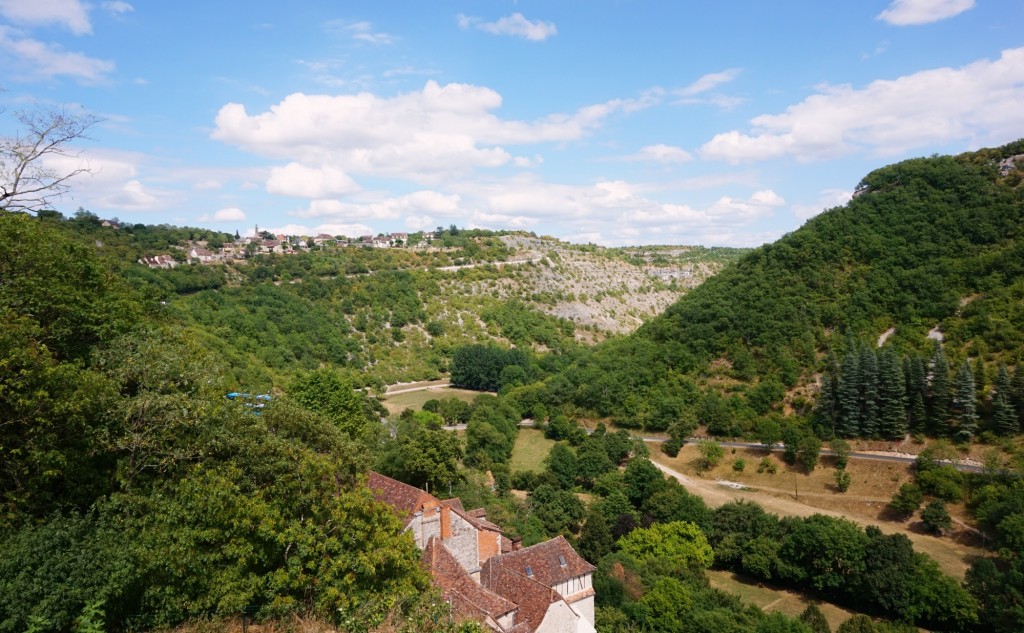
[
  {"x": 766, "y": 597},
  {"x": 530, "y": 450},
  {"x": 414, "y": 399}
]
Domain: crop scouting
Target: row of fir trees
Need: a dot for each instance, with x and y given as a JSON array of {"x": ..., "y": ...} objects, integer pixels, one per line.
[{"x": 874, "y": 393}]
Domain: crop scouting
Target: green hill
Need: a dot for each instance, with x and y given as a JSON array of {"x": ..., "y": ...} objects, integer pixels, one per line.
[{"x": 926, "y": 243}]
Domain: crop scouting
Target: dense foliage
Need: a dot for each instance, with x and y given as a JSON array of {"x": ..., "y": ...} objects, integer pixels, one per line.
[
  {"x": 131, "y": 488},
  {"x": 926, "y": 242}
]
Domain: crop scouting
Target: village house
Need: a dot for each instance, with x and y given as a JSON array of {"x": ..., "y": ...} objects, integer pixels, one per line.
[
  {"x": 159, "y": 261},
  {"x": 204, "y": 256},
  {"x": 546, "y": 588}
]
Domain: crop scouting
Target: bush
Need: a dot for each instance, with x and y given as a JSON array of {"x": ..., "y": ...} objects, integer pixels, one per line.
[
  {"x": 843, "y": 479},
  {"x": 767, "y": 464},
  {"x": 671, "y": 447},
  {"x": 739, "y": 465},
  {"x": 907, "y": 500}
]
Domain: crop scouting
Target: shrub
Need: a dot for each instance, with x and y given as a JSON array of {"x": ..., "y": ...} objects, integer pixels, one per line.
[{"x": 739, "y": 465}]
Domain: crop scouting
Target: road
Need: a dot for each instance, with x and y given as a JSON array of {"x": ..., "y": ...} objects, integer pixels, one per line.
[{"x": 882, "y": 457}]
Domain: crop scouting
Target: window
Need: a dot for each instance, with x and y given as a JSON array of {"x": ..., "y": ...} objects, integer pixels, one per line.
[
  {"x": 529, "y": 571},
  {"x": 561, "y": 560}
]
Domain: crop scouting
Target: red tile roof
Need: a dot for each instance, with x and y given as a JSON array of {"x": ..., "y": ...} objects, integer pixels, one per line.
[
  {"x": 406, "y": 500},
  {"x": 543, "y": 560},
  {"x": 467, "y": 597},
  {"x": 533, "y": 597}
]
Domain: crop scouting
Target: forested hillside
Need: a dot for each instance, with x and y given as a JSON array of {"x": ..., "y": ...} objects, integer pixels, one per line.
[{"x": 928, "y": 250}]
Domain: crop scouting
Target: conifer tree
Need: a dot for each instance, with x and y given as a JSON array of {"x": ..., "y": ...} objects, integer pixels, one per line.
[
  {"x": 1018, "y": 390},
  {"x": 869, "y": 421},
  {"x": 915, "y": 382},
  {"x": 892, "y": 396},
  {"x": 1004, "y": 415},
  {"x": 980, "y": 380},
  {"x": 939, "y": 393},
  {"x": 827, "y": 410},
  {"x": 965, "y": 404},
  {"x": 849, "y": 395}
]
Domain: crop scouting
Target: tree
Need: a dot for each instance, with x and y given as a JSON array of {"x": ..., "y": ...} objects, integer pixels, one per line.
[
  {"x": 843, "y": 479},
  {"x": 892, "y": 396},
  {"x": 325, "y": 392},
  {"x": 679, "y": 544},
  {"x": 769, "y": 432},
  {"x": 815, "y": 619},
  {"x": 869, "y": 420},
  {"x": 1004, "y": 415},
  {"x": 28, "y": 182},
  {"x": 907, "y": 500},
  {"x": 939, "y": 393},
  {"x": 563, "y": 464},
  {"x": 642, "y": 479},
  {"x": 916, "y": 388},
  {"x": 965, "y": 404},
  {"x": 936, "y": 517},
  {"x": 710, "y": 454},
  {"x": 842, "y": 450}
]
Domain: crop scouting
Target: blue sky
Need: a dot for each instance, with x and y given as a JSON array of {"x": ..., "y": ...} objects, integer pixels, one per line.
[{"x": 608, "y": 121}]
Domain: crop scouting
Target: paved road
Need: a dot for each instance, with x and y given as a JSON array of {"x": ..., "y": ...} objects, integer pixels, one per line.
[{"x": 882, "y": 457}]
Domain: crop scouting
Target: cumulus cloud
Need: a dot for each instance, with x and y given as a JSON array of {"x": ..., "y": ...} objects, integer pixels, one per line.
[
  {"x": 419, "y": 202},
  {"x": 516, "y": 25},
  {"x": 31, "y": 59},
  {"x": 979, "y": 103},
  {"x": 133, "y": 196},
  {"x": 660, "y": 153},
  {"x": 307, "y": 182},
  {"x": 913, "y": 12},
  {"x": 709, "y": 82},
  {"x": 113, "y": 182},
  {"x": 71, "y": 14},
  {"x": 118, "y": 8},
  {"x": 229, "y": 214},
  {"x": 439, "y": 131}
]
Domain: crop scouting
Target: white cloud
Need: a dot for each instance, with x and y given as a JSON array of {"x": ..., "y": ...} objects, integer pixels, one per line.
[
  {"x": 348, "y": 230},
  {"x": 516, "y": 25},
  {"x": 208, "y": 185},
  {"x": 424, "y": 136},
  {"x": 229, "y": 214},
  {"x": 709, "y": 81},
  {"x": 118, "y": 8},
  {"x": 133, "y": 196},
  {"x": 297, "y": 180},
  {"x": 827, "y": 199},
  {"x": 72, "y": 14},
  {"x": 660, "y": 153},
  {"x": 360, "y": 31},
  {"x": 913, "y": 12},
  {"x": 418, "y": 202},
  {"x": 979, "y": 103},
  {"x": 33, "y": 60}
]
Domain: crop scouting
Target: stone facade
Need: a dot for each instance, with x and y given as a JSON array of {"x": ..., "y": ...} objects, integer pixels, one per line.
[{"x": 546, "y": 588}]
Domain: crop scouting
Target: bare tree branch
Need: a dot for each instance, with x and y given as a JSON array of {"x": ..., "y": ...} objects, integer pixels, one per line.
[{"x": 28, "y": 182}]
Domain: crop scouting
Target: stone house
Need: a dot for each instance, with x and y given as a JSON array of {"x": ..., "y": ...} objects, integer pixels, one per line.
[{"x": 546, "y": 588}]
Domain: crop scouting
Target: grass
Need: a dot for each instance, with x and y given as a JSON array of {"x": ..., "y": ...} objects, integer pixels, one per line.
[
  {"x": 769, "y": 598},
  {"x": 796, "y": 493},
  {"x": 530, "y": 450},
  {"x": 414, "y": 399}
]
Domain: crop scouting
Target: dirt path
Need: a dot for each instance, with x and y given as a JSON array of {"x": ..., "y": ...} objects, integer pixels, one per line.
[{"x": 951, "y": 557}]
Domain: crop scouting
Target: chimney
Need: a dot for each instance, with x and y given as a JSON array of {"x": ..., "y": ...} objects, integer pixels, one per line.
[{"x": 517, "y": 543}]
